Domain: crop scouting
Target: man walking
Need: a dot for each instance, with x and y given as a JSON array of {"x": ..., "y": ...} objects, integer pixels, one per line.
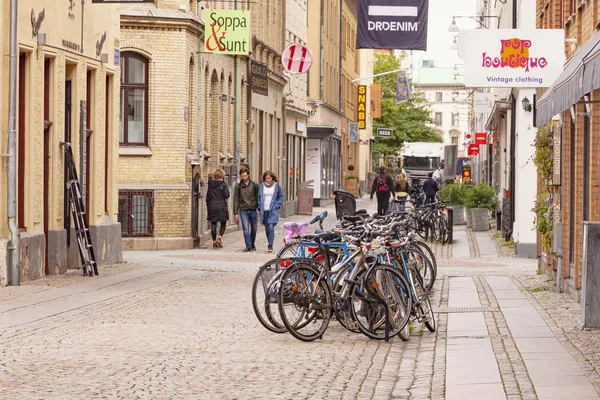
[
  {"x": 383, "y": 187},
  {"x": 430, "y": 187},
  {"x": 245, "y": 206}
]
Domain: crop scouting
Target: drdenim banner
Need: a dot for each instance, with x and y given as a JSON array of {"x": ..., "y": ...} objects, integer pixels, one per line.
[{"x": 392, "y": 24}]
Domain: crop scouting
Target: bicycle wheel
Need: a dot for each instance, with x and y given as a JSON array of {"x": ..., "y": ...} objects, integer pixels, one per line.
[
  {"x": 264, "y": 301},
  {"x": 423, "y": 310},
  {"x": 305, "y": 302},
  {"x": 416, "y": 259},
  {"x": 383, "y": 291},
  {"x": 290, "y": 249},
  {"x": 429, "y": 253},
  {"x": 441, "y": 230}
]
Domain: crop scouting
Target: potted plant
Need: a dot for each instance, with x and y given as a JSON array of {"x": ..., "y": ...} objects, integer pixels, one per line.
[
  {"x": 481, "y": 199},
  {"x": 453, "y": 195},
  {"x": 352, "y": 182}
]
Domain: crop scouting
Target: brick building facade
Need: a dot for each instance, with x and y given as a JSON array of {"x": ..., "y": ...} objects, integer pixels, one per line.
[
  {"x": 576, "y": 198},
  {"x": 63, "y": 68}
]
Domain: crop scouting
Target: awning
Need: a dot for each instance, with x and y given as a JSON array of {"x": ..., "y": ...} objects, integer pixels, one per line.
[
  {"x": 498, "y": 107},
  {"x": 580, "y": 76}
]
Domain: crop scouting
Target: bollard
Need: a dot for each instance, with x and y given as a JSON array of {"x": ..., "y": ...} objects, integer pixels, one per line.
[{"x": 450, "y": 224}]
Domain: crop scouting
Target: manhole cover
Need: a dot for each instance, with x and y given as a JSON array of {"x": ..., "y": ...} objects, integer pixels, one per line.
[{"x": 447, "y": 310}]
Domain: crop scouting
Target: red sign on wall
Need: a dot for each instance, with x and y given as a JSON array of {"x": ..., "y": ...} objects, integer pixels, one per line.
[
  {"x": 481, "y": 138},
  {"x": 473, "y": 150}
]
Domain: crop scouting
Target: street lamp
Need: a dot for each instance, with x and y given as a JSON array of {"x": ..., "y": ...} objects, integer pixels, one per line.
[
  {"x": 526, "y": 104},
  {"x": 454, "y": 45},
  {"x": 453, "y": 27}
]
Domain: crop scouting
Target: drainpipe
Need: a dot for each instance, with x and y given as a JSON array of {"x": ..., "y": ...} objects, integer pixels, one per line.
[
  {"x": 238, "y": 108},
  {"x": 322, "y": 61},
  {"x": 199, "y": 96},
  {"x": 13, "y": 245},
  {"x": 513, "y": 135}
]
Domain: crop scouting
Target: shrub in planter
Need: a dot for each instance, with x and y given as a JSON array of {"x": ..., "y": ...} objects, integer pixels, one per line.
[
  {"x": 454, "y": 195},
  {"x": 481, "y": 199}
]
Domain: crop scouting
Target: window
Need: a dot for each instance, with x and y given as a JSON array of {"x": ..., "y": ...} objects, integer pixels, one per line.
[
  {"x": 455, "y": 118},
  {"x": 136, "y": 213},
  {"x": 438, "y": 96},
  {"x": 438, "y": 118},
  {"x": 134, "y": 100},
  {"x": 454, "y": 96},
  {"x": 454, "y": 139}
]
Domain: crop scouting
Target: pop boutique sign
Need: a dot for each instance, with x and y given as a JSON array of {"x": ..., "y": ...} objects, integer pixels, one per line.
[
  {"x": 227, "y": 32},
  {"x": 512, "y": 57}
]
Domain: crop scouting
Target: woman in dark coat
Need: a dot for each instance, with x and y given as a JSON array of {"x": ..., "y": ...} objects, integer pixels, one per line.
[{"x": 216, "y": 204}]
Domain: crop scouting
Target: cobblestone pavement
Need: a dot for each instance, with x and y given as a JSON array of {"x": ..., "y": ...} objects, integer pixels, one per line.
[{"x": 180, "y": 325}]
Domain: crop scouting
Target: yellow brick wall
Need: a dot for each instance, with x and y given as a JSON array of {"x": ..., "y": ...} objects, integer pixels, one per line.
[{"x": 170, "y": 203}]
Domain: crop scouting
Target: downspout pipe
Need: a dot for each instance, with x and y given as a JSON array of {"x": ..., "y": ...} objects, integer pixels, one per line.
[
  {"x": 513, "y": 135},
  {"x": 13, "y": 245},
  {"x": 238, "y": 109}
]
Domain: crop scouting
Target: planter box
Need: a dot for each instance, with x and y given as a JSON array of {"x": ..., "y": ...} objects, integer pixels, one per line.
[
  {"x": 458, "y": 215},
  {"x": 468, "y": 218},
  {"x": 480, "y": 219}
]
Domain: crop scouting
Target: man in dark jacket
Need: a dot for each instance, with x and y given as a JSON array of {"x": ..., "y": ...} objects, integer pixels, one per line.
[
  {"x": 384, "y": 188},
  {"x": 245, "y": 205},
  {"x": 430, "y": 187}
]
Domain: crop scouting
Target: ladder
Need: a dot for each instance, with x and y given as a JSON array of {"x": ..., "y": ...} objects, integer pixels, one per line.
[{"x": 82, "y": 231}]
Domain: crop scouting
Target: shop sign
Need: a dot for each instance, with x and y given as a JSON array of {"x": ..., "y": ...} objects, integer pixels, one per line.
[
  {"x": 483, "y": 103},
  {"x": 227, "y": 32},
  {"x": 480, "y": 138},
  {"x": 297, "y": 59},
  {"x": 392, "y": 24},
  {"x": 556, "y": 155},
  {"x": 260, "y": 78},
  {"x": 353, "y": 132},
  {"x": 385, "y": 132},
  {"x": 361, "y": 103},
  {"x": 473, "y": 149},
  {"x": 529, "y": 58}
]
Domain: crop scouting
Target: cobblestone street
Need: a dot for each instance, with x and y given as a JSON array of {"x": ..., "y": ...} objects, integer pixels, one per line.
[{"x": 180, "y": 325}]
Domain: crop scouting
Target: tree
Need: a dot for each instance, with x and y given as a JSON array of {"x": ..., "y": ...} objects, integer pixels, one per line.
[{"x": 411, "y": 120}]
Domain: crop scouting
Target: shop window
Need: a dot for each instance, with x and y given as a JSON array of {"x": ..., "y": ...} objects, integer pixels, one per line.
[
  {"x": 136, "y": 213},
  {"x": 134, "y": 100}
]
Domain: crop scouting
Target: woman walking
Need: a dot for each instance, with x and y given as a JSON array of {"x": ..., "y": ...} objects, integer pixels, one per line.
[
  {"x": 270, "y": 199},
  {"x": 403, "y": 189},
  {"x": 216, "y": 204}
]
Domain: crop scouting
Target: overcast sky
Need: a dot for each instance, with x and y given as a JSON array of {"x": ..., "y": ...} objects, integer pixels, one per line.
[{"x": 438, "y": 37}]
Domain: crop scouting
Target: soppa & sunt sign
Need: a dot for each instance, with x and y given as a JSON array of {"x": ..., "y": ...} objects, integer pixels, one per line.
[
  {"x": 227, "y": 32},
  {"x": 512, "y": 57}
]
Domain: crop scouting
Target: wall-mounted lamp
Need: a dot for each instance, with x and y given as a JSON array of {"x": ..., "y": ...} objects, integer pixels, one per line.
[
  {"x": 453, "y": 27},
  {"x": 526, "y": 104}
]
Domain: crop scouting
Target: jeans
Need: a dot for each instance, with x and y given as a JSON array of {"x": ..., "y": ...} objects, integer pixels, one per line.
[
  {"x": 248, "y": 218},
  {"x": 269, "y": 229},
  {"x": 402, "y": 203},
  {"x": 383, "y": 202},
  {"x": 430, "y": 199}
]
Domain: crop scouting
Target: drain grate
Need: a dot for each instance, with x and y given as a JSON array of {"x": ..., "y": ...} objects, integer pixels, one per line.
[{"x": 448, "y": 310}]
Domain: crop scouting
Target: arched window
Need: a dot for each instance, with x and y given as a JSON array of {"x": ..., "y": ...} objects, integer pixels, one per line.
[{"x": 134, "y": 100}]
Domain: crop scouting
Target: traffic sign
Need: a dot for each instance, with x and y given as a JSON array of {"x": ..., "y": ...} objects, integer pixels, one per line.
[
  {"x": 385, "y": 132},
  {"x": 297, "y": 59}
]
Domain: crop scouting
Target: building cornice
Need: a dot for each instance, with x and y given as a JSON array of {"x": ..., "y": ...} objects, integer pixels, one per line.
[{"x": 163, "y": 21}]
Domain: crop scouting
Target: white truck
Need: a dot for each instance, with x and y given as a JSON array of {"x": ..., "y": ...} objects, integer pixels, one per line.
[{"x": 420, "y": 158}]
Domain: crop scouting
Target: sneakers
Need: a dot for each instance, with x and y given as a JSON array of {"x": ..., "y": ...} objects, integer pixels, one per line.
[{"x": 270, "y": 250}]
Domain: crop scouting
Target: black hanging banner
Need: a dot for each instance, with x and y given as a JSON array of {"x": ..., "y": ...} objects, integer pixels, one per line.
[{"x": 392, "y": 24}]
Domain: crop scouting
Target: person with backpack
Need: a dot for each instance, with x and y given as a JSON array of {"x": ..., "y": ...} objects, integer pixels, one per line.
[
  {"x": 403, "y": 190},
  {"x": 384, "y": 188}
]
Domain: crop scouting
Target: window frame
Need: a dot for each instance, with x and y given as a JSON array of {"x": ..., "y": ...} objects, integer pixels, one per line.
[
  {"x": 124, "y": 91},
  {"x": 441, "y": 121},
  {"x": 439, "y": 96},
  {"x": 128, "y": 194}
]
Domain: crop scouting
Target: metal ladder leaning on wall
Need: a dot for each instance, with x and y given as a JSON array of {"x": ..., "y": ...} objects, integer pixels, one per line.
[{"x": 82, "y": 231}]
